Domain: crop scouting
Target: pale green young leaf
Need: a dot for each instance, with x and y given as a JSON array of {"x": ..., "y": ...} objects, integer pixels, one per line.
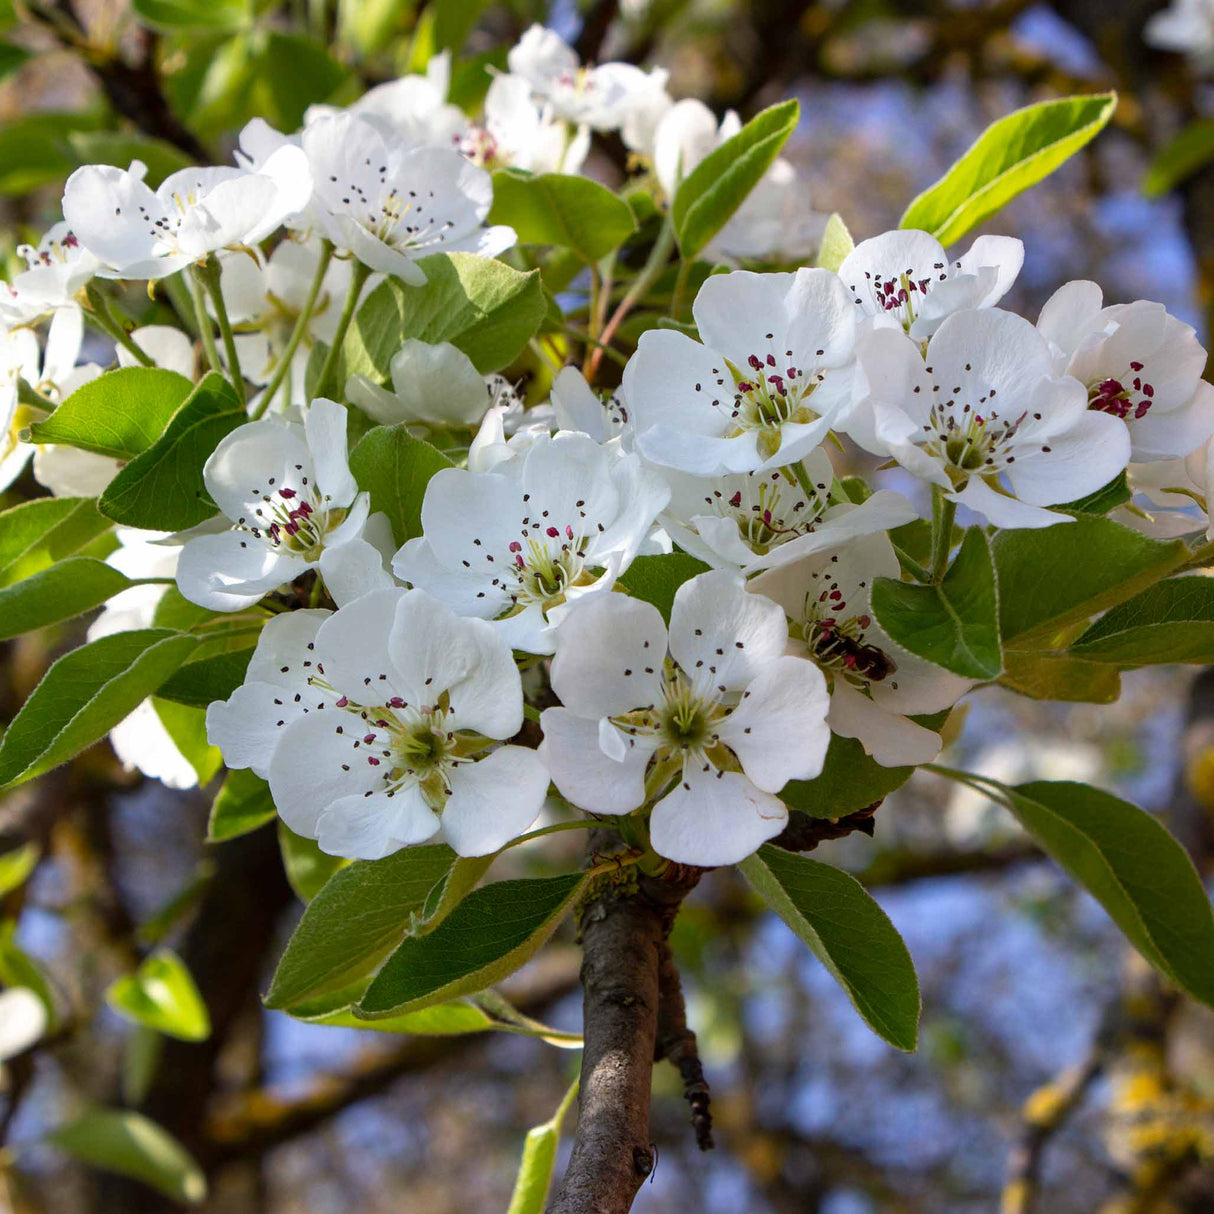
[
  {"x": 836, "y": 243},
  {"x": 308, "y": 868},
  {"x": 539, "y": 1159},
  {"x": 394, "y": 468},
  {"x": 1046, "y": 674},
  {"x": 173, "y": 15},
  {"x": 161, "y": 995},
  {"x": 242, "y": 804},
  {"x": 35, "y": 534},
  {"x": 1191, "y": 149},
  {"x": 656, "y": 579},
  {"x": 59, "y": 592},
  {"x": 16, "y": 866}
]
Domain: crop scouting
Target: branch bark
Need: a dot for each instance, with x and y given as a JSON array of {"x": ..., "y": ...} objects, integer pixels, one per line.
[{"x": 624, "y": 929}]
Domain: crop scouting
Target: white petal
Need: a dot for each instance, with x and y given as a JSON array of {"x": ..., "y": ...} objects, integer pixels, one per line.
[
  {"x": 489, "y": 699},
  {"x": 369, "y": 828},
  {"x": 1069, "y": 315},
  {"x": 353, "y": 647},
  {"x": 892, "y": 740},
  {"x": 1080, "y": 460},
  {"x": 325, "y": 425},
  {"x": 252, "y": 462},
  {"x": 494, "y": 800},
  {"x": 142, "y": 743},
  {"x": 1005, "y": 254},
  {"x": 438, "y": 384},
  {"x": 167, "y": 347},
  {"x": 285, "y": 649},
  {"x": 229, "y": 571},
  {"x": 586, "y": 776},
  {"x": 1003, "y": 511},
  {"x": 248, "y": 725},
  {"x": 353, "y": 569}
]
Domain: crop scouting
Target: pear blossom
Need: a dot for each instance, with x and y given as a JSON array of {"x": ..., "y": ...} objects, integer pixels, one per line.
[
  {"x": 714, "y": 709},
  {"x": 876, "y": 684},
  {"x": 755, "y": 520},
  {"x": 1176, "y": 493},
  {"x": 981, "y": 405},
  {"x": 576, "y": 406},
  {"x": 905, "y": 279},
  {"x": 169, "y": 348},
  {"x": 291, "y": 500},
  {"x": 1185, "y": 26},
  {"x": 375, "y": 726},
  {"x": 520, "y": 544},
  {"x": 773, "y": 375},
  {"x": 521, "y": 132},
  {"x": 140, "y": 233},
  {"x": 509, "y": 429},
  {"x": 23, "y": 1020},
  {"x": 435, "y": 384},
  {"x": 1139, "y": 364},
  {"x": 388, "y": 202},
  {"x": 60, "y": 267},
  {"x": 685, "y": 134},
  {"x": 775, "y": 224}
]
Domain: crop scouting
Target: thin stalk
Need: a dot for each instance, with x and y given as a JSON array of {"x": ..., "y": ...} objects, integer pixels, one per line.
[
  {"x": 597, "y": 346},
  {"x": 301, "y": 327},
  {"x": 680, "y": 288},
  {"x": 204, "y": 323},
  {"x": 209, "y": 272},
  {"x": 943, "y": 513},
  {"x": 105, "y": 320},
  {"x": 359, "y": 274},
  {"x": 555, "y": 828}
]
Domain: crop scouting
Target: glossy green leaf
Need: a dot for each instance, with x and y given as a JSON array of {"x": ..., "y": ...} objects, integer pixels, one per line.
[
  {"x": 656, "y": 579},
  {"x": 489, "y": 935},
  {"x": 210, "y": 678},
  {"x": 710, "y": 194},
  {"x": 16, "y": 866},
  {"x": 954, "y": 624},
  {"x": 162, "y": 995},
  {"x": 1054, "y": 577},
  {"x": 35, "y": 534},
  {"x": 187, "y": 727},
  {"x": 1172, "y": 621},
  {"x": 539, "y": 1159},
  {"x": 481, "y": 306},
  {"x": 836, "y": 243},
  {"x": 395, "y": 468},
  {"x": 560, "y": 209},
  {"x": 850, "y": 780},
  {"x": 1191, "y": 149},
  {"x": 450, "y": 890},
  {"x": 162, "y": 488},
  {"x": 290, "y": 73},
  {"x": 1051, "y": 675},
  {"x": 453, "y": 22},
  {"x": 352, "y": 924},
  {"x": 34, "y": 149},
  {"x": 118, "y": 1140},
  {"x": 848, "y": 932},
  {"x": 59, "y": 592},
  {"x": 173, "y": 15},
  {"x": 1109, "y": 497},
  {"x": 84, "y": 695},
  {"x": 121, "y": 413},
  {"x": 242, "y": 804},
  {"x": 1007, "y": 158},
  {"x": 308, "y": 868}
]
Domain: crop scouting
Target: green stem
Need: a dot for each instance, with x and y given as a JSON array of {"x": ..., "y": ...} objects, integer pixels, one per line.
[
  {"x": 301, "y": 327},
  {"x": 106, "y": 322},
  {"x": 943, "y": 513},
  {"x": 555, "y": 828},
  {"x": 210, "y": 272},
  {"x": 204, "y": 322},
  {"x": 359, "y": 274},
  {"x": 680, "y": 288}
]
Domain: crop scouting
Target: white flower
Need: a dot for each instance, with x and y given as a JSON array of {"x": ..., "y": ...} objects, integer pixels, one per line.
[
  {"x": 1139, "y": 364},
  {"x": 23, "y": 1020},
  {"x": 774, "y": 224},
  {"x": 725, "y": 715},
  {"x": 756, "y": 520},
  {"x": 1181, "y": 490},
  {"x": 139, "y": 233},
  {"x": 1186, "y": 26},
  {"x": 904, "y": 279},
  {"x": 772, "y": 377},
  {"x": 982, "y": 404},
  {"x": 602, "y": 97},
  {"x": 140, "y": 739},
  {"x": 523, "y": 133},
  {"x": 59, "y": 268},
  {"x": 876, "y": 683},
  {"x": 372, "y": 726},
  {"x": 388, "y": 202},
  {"x": 433, "y": 384},
  {"x": 685, "y": 134},
  {"x": 413, "y": 108},
  {"x": 168, "y": 347},
  {"x": 289, "y": 494},
  {"x": 509, "y": 429},
  {"x": 520, "y": 544},
  {"x": 576, "y": 406}
]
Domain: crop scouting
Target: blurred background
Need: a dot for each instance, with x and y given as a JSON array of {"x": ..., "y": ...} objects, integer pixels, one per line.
[{"x": 1054, "y": 1074}]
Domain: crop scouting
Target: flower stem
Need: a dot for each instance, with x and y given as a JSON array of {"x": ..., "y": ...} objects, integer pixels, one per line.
[
  {"x": 209, "y": 272},
  {"x": 943, "y": 513},
  {"x": 359, "y": 274},
  {"x": 204, "y": 322},
  {"x": 301, "y": 327},
  {"x": 680, "y": 288},
  {"x": 105, "y": 320}
]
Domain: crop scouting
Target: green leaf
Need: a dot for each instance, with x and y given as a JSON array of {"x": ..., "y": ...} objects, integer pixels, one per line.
[
  {"x": 202, "y": 682},
  {"x": 1007, "y": 158},
  {"x": 174, "y": 15},
  {"x": 455, "y": 1019},
  {"x": 849, "y": 780},
  {"x": 16, "y": 866},
  {"x": 836, "y": 243},
  {"x": 1053, "y": 577},
  {"x": 1050, "y": 675},
  {"x": 954, "y": 624},
  {"x": 162, "y": 488},
  {"x": 35, "y": 534},
  {"x": 450, "y": 890},
  {"x": 242, "y": 804},
  {"x": 489, "y": 935},
  {"x": 355, "y": 921},
  {"x": 720, "y": 183},
  {"x": 84, "y": 695},
  {"x": 308, "y": 868},
  {"x": 1172, "y": 621},
  {"x": 479, "y": 305},
  {"x": 656, "y": 579},
  {"x": 1115, "y": 493},
  {"x": 539, "y": 1159},
  {"x": 453, "y": 22},
  {"x": 290, "y": 73},
  {"x": 121, "y": 413},
  {"x": 1130, "y": 864},
  {"x": 59, "y": 592},
  {"x": 161, "y": 995},
  {"x": 395, "y": 468},
  {"x": 187, "y": 727},
  {"x": 848, "y": 932},
  {"x": 18, "y": 968},
  {"x": 1191, "y": 149},
  {"x": 119, "y": 148},
  {"x": 11, "y": 58},
  {"x": 34, "y": 149},
  {"x": 118, "y": 1140},
  {"x": 559, "y": 209}
]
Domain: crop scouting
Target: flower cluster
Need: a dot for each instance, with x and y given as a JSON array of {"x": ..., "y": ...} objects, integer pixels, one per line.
[{"x": 678, "y": 576}]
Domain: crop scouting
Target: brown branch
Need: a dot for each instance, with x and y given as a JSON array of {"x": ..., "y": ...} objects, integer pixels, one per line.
[
  {"x": 677, "y": 1044},
  {"x": 804, "y": 833},
  {"x": 624, "y": 928}
]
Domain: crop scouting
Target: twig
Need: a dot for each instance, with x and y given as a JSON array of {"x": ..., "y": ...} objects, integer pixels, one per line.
[
  {"x": 804, "y": 833},
  {"x": 677, "y": 1044}
]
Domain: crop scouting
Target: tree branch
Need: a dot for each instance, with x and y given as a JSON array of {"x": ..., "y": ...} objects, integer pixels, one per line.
[{"x": 677, "y": 1044}]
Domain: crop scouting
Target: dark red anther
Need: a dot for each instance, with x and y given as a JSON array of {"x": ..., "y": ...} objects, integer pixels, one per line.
[
  {"x": 343, "y": 701},
  {"x": 736, "y": 500},
  {"x": 552, "y": 533},
  {"x": 287, "y": 493},
  {"x": 753, "y": 361}
]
